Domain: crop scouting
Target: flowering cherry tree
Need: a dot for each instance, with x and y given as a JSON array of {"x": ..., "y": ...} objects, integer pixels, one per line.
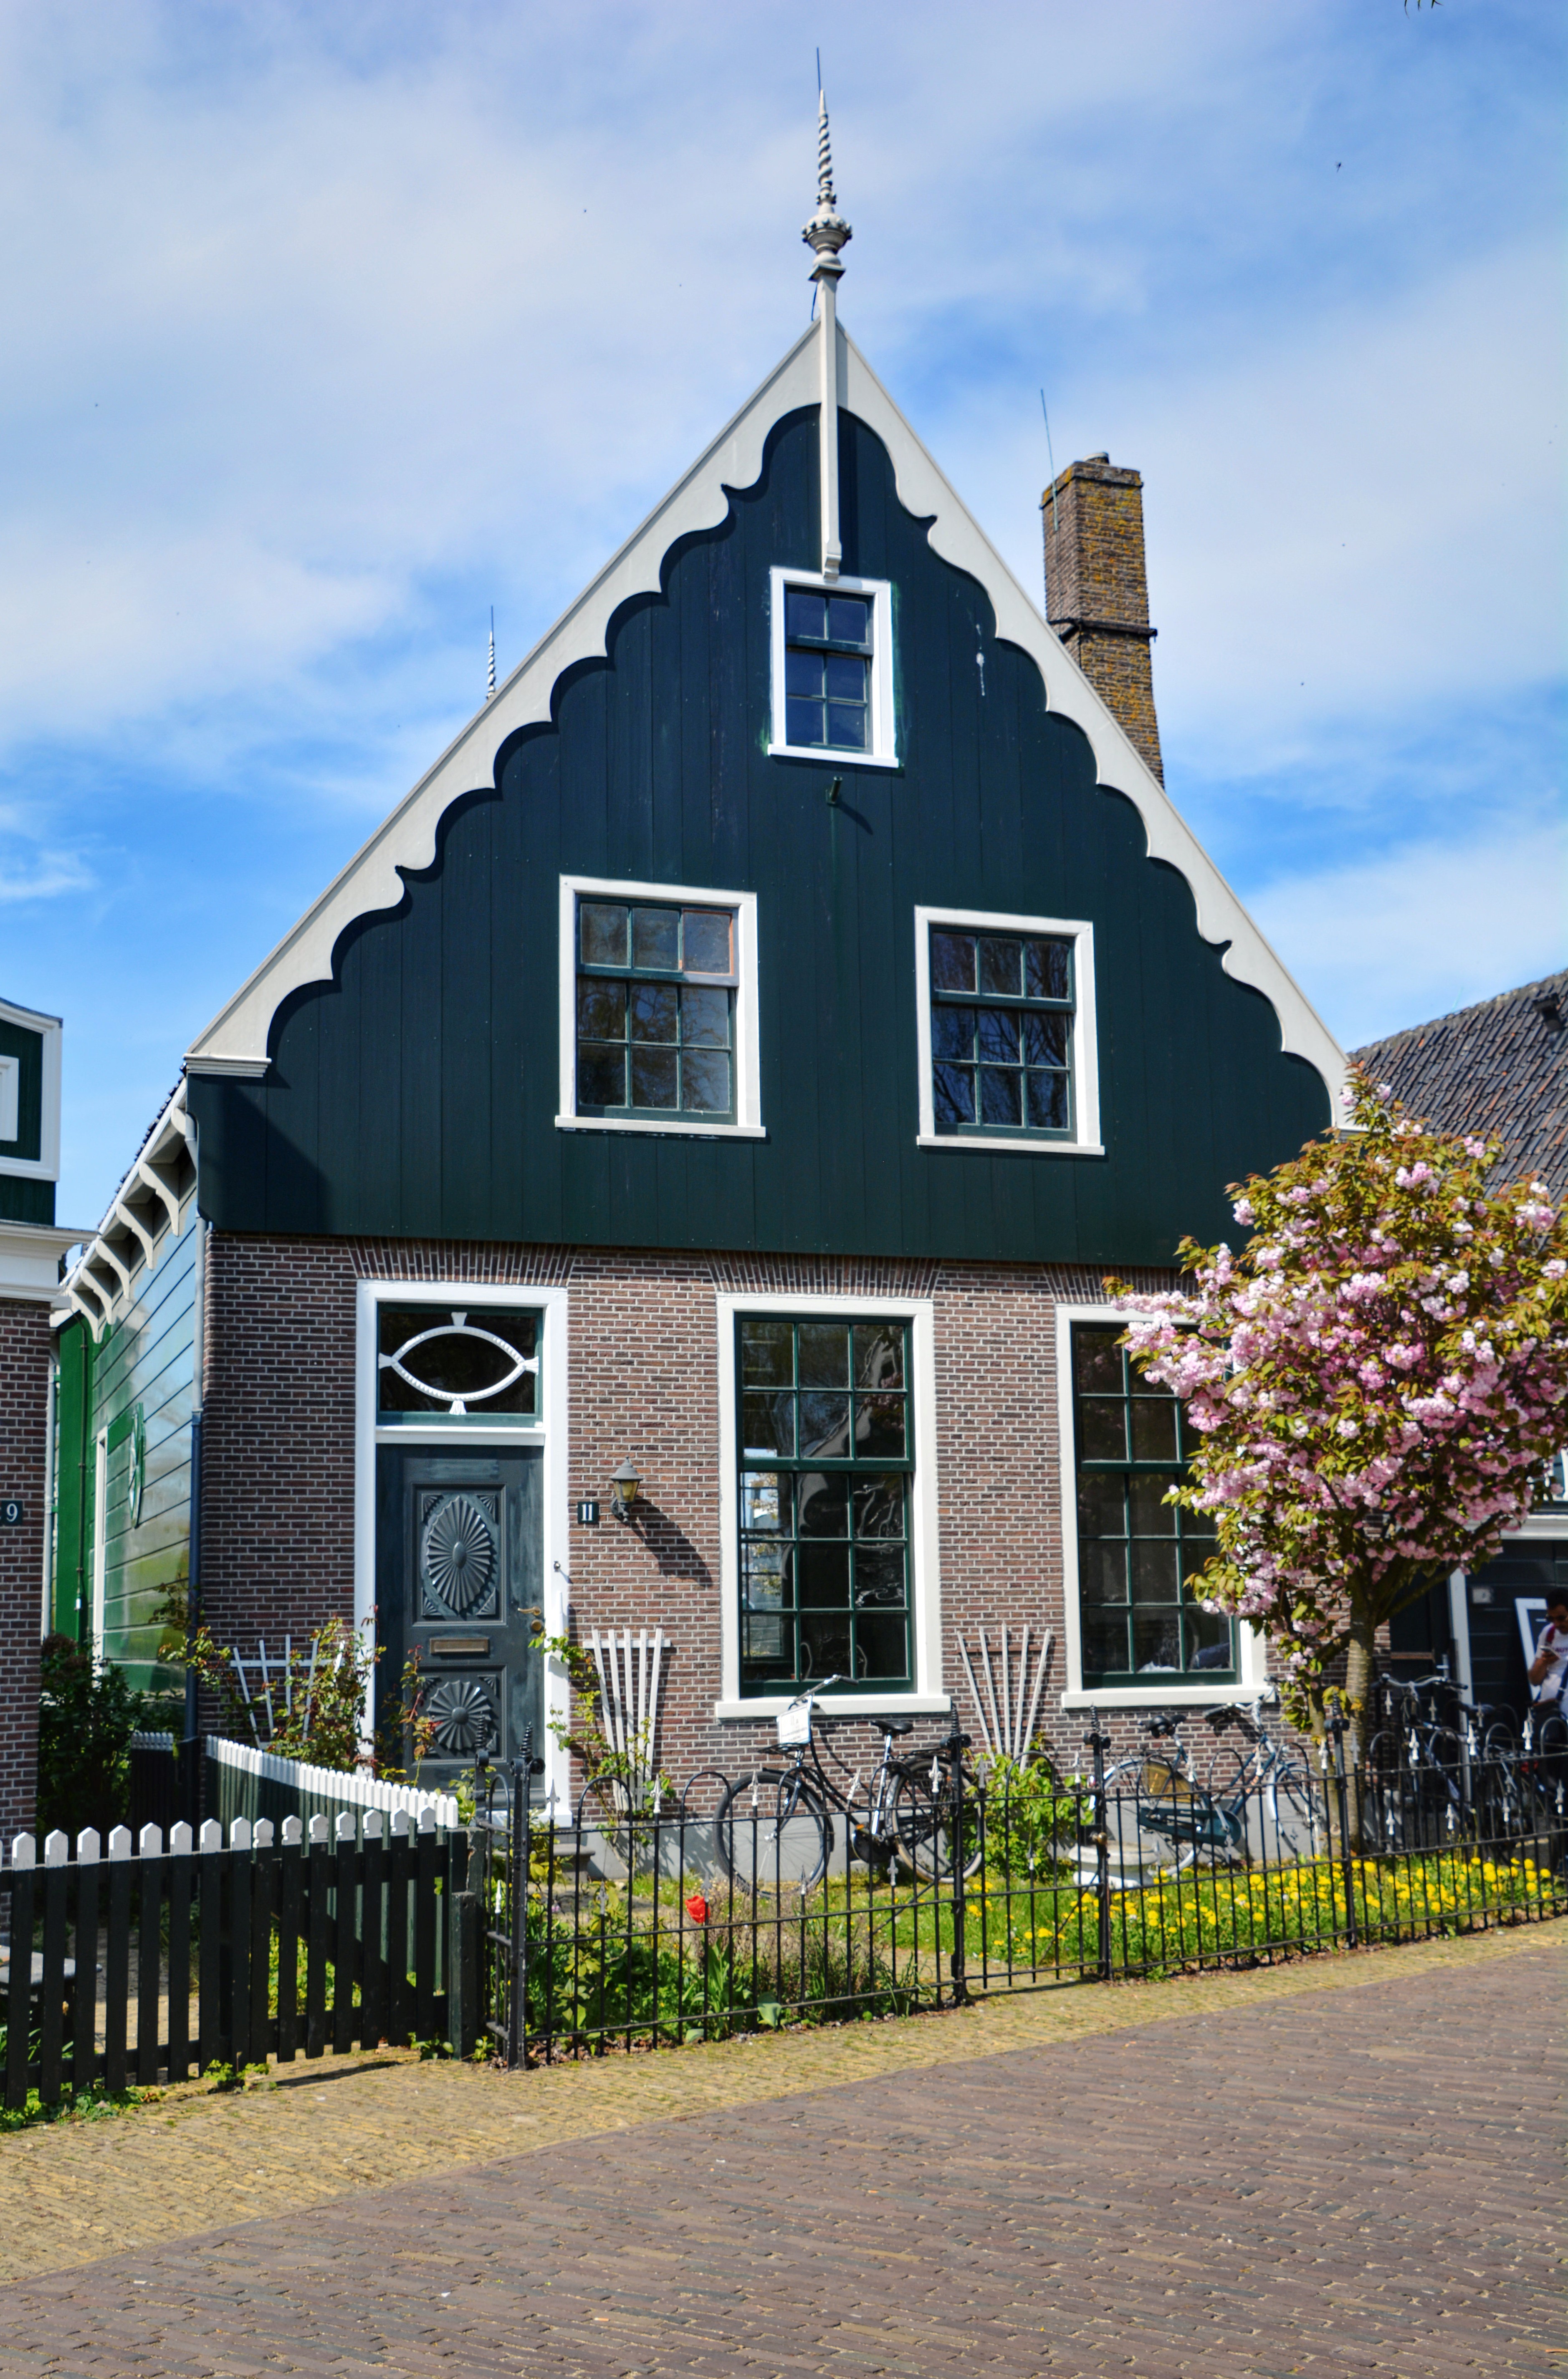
[{"x": 1376, "y": 1382}]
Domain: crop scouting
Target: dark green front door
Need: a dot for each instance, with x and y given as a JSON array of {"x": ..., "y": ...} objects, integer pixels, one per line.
[{"x": 458, "y": 1543}]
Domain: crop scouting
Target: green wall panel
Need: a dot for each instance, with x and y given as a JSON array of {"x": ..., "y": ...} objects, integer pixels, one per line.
[
  {"x": 416, "y": 1093},
  {"x": 142, "y": 1399},
  {"x": 73, "y": 1476},
  {"x": 25, "y": 1198}
]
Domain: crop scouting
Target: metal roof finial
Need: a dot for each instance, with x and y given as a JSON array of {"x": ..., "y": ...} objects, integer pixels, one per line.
[
  {"x": 828, "y": 232},
  {"x": 490, "y": 681}
]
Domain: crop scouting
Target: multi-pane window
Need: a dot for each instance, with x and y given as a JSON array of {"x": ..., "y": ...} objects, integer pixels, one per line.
[
  {"x": 827, "y": 658},
  {"x": 1001, "y": 1032},
  {"x": 655, "y": 1011},
  {"x": 1137, "y": 1554},
  {"x": 827, "y": 1458}
]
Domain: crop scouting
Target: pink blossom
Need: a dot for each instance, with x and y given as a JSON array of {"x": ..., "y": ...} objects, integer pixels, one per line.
[{"x": 1345, "y": 1366}]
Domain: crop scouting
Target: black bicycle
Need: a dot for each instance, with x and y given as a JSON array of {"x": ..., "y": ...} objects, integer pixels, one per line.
[
  {"x": 1415, "y": 1768},
  {"x": 776, "y": 1827}
]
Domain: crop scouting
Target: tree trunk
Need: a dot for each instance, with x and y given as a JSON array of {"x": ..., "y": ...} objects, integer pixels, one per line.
[
  {"x": 1358, "y": 1667},
  {"x": 1359, "y": 1657}
]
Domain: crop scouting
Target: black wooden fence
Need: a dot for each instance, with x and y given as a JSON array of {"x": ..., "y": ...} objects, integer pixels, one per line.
[{"x": 163, "y": 1960}]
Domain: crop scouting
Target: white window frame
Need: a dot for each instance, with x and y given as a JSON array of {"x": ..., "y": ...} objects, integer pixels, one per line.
[
  {"x": 98, "y": 1615},
  {"x": 1086, "y": 1140},
  {"x": 747, "y": 1055},
  {"x": 45, "y": 1165},
  {"x": 883, "y": 751},
  {"x": 925, "y": 1695},
  {"x": 1169, "y": 1693},
  {"x": 549, "y": 1429},
  {"x": 10, "y": 1096}
]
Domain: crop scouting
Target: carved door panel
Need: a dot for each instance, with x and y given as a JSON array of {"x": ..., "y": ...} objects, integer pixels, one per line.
[{"x": 458, "y": 1579}]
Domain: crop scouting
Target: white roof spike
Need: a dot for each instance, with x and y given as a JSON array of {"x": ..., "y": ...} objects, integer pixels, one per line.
[{"x": 828, "y": 232}]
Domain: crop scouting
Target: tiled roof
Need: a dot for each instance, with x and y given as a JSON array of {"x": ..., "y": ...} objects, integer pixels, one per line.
[{"x": 1501, "y": 1067}]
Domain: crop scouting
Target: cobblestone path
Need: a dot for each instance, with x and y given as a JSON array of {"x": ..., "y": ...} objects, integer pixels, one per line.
[{"x": 1350, "y": 2166}]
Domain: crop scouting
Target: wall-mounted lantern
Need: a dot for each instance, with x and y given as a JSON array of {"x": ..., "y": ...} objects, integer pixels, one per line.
[{"x": 625, "y": 1483}]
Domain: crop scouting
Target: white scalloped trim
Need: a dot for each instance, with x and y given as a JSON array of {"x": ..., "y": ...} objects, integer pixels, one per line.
[{"x": 236, "y": 1041}]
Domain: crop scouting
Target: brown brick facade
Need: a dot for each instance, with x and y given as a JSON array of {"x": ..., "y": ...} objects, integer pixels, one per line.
[
  {"x": 279, "y": 1443},
  {"x": 1097, "y": 590},
  {"x": 24, "y": 1405}
]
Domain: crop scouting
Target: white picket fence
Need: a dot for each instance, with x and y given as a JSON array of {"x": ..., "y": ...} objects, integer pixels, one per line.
[
  {"x": 349, "y": 1789},
  {"x": 243, "y": 1835}
]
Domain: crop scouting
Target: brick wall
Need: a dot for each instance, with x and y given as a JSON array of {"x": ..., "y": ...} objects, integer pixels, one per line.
[
  {"x": 278, "y": 1453},
  {"x": 1097, "y": 590},
  {"x": 24, "y": 1404}
]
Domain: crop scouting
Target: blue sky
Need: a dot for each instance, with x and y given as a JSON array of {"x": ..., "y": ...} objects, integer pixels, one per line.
[{"x": 328, "y": 327}]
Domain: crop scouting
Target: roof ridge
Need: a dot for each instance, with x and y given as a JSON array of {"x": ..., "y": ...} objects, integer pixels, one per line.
[{"x": 1453, "y": 1015}]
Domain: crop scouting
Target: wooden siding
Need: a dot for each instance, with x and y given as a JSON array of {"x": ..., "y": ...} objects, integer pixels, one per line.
[
  {"x": 146, "y": 1361},
  {"x": 416, "y": 1095}
]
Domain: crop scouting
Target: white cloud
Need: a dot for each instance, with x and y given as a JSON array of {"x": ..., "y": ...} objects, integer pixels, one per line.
[
  {"x": 43, "y": 875},
  {"x": 302, "y": 312},
  {"x": 327, "y": 327},
  {"x": 1421, "y": 930}
]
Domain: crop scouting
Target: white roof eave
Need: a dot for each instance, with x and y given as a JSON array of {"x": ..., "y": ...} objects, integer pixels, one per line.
[{"x": 235, "y": 1042}]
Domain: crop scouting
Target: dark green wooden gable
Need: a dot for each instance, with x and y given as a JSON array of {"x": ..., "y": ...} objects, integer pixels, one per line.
[{"x": 416, "y": 1095}]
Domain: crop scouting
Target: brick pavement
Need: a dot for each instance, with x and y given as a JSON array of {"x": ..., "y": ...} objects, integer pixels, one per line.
[{"x": 1351, "y": 2167}]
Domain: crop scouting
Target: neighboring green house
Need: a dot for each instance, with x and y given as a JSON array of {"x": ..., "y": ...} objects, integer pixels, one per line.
[
  {"x": 31, "y": 1248},
  {"x": 126, "y": 1407}
]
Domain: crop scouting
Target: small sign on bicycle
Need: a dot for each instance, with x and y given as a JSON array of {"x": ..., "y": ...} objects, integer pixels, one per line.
[{"x": 794, "y": 1723}]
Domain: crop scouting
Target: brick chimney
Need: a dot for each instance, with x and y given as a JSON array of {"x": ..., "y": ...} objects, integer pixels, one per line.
[{"x": 1097, "y": 590}]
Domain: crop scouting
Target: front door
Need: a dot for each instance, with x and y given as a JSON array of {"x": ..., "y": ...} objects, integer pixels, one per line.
[{"x": 458, "y": 1559}]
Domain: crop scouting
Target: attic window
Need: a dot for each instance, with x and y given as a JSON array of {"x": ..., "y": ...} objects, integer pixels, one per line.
[
  {"x": 833, "y": 670},
  {"x": 827, "y": 669}
]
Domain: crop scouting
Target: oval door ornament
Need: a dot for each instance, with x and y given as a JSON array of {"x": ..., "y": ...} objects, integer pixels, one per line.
[
  {"x": 469, "y": 1338},
  {"x": 464, "y": 1716},
  {"x": 458, "y": 1554}
]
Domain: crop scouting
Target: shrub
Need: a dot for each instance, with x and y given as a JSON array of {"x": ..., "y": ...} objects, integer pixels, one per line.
[{"x": 86, "y": 1719}]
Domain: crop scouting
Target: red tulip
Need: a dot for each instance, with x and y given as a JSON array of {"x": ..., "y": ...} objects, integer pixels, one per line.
[{"x": 696, "y": 1908}]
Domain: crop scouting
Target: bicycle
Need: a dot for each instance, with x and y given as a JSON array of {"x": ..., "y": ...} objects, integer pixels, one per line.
[
  {"x": 776, "y": 1826},
  {"x": 1171, "y": 1806},
  {"x": 1274, "y": 1777},
  {"x": 1415, "y": 1768}
]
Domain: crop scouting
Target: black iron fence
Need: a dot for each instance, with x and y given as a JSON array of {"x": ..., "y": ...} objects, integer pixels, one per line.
[
  {"x": 162, "y": 1959},
  {"x": 644, "y": 1931},
  {"x": 775, "y": 1901}
]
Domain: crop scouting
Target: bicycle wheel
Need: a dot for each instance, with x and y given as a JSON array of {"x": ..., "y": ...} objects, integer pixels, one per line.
[
  {"x": 773, "y": 1831},
  {"x": 1441, "y": 1775},
  {"x": 1297, "y": 1818},
  {"x": 923, "y": 1819},
  {"x": 1391, "y": 1817}
]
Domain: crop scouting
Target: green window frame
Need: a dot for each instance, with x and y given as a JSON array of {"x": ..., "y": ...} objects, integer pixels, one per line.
[
  {"x": 828, "y": 664},
  {"x": 655, "y": 985},
  {"x": 1002, "y": 1007},
  {"x": 1137, "y": 1618},
  {"x": 826, "y": 1460}
]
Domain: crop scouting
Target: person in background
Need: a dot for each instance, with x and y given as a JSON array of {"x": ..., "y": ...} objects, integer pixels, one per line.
[{"x": 1548, "y": 1670}]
